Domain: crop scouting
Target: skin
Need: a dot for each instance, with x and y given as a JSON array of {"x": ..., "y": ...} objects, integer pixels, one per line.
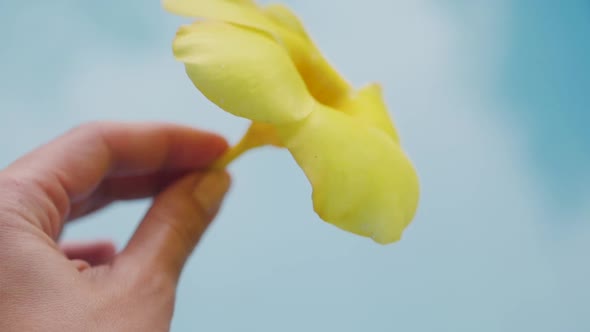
[{"x": 45, "y": 286}]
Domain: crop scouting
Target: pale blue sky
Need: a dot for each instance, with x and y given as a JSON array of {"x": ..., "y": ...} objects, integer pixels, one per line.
[{"x": 491, "y": 102}]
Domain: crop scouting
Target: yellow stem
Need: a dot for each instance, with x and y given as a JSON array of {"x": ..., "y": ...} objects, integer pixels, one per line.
[
  {"x": 258, "y": 135},
  {"x": 233, "y": 153}
]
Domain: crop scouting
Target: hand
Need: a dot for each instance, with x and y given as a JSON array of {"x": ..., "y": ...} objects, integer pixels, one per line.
[{"x": 45, "y": 287}]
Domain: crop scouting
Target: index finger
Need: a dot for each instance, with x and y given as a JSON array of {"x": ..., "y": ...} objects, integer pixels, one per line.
[{"x": 69, "y": 168}]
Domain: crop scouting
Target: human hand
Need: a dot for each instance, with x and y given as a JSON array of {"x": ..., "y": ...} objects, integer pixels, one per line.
[{"x": 48, "y": 287}]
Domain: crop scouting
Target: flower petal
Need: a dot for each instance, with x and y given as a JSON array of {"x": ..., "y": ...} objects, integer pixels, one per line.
[
  {"x": 362, "y": 180},
  {"x": 283, "y": 16},
  {"x": 368, "y": 106},
  {"x": 242, "y": 12},
  {"x": 323, "y": 81},
  {"x": 243, "y": 71}
]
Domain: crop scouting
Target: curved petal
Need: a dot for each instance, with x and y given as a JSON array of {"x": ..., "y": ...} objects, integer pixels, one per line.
[
  {"x": 242, "y": 12},
  {"x": 323, "y": 81},
  {"x": 368, "y": 106},
  {"x": 283, "y": 16},
  {"x": 362, "y": 181},
  {"x": 243, "y": 71}
]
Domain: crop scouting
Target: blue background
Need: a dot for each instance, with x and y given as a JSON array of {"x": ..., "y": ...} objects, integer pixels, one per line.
[{"x": 492, "y": 102}]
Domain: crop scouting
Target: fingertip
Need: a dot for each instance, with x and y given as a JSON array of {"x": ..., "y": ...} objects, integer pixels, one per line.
[{"x": 199, "y": 149}]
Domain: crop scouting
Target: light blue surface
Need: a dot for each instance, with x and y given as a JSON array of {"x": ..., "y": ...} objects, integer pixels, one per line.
[{"x": 492, "y": 102}]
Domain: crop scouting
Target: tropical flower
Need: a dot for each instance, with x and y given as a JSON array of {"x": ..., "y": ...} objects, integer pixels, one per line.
[{"x": 259, "y": 63}]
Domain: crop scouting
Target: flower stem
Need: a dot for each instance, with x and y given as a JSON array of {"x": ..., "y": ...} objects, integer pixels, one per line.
[
  {"x": 258, "y": 135},
  {"x": 232, "y": 154}
]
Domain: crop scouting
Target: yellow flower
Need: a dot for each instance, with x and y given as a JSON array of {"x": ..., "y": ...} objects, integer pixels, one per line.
[{"x": 259, "y": 63}]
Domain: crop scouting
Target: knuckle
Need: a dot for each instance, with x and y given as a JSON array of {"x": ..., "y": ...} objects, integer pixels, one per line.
[
  {"x": 21, "y": 203},
  {"x": 27, "y": 198}
]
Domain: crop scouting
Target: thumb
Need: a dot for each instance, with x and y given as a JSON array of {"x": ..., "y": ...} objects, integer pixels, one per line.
[{"x": 174, "y": 224}]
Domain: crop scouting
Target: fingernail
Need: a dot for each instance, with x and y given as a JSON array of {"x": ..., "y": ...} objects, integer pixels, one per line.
[{"x": 210, "y": 191}]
